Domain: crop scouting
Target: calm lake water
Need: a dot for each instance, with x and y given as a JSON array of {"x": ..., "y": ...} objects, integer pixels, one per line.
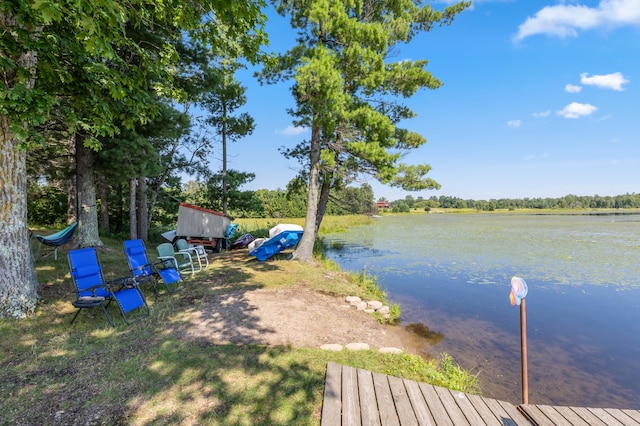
[{"x": 452, "y": 274}]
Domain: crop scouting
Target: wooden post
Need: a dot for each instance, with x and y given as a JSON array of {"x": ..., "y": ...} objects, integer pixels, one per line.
[{"x": 523, "y": 351}]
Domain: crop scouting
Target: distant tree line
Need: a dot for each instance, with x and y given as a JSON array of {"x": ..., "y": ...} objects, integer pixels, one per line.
[
  {"x": 47, "y": 204},
  {"x": 626, "y": 201}
]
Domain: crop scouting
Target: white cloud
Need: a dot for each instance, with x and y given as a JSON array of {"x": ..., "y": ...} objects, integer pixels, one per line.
[
  {"x": 571, "y": 88},
  {"x": 609, "y": 81},
  {"x": 514, "y": 123},
  {"x": 577, "y": 110},
  {"x": 541, "y": 114},
  {"x": 292, "y": 131},
  {"x": 566, "y": 20}
]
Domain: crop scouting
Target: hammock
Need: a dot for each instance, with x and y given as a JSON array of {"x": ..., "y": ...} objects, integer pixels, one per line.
[{"x": 57, "y": 239}]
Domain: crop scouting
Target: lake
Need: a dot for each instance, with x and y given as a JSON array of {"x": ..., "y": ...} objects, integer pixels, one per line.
[{"x": 451, "y": 274}]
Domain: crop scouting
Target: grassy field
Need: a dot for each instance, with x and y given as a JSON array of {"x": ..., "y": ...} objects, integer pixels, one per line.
[
  {"x": 147, "y": 373},
  {"x": 330, "y": 224}
]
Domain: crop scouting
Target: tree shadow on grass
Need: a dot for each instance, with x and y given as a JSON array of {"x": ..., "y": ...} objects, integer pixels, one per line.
[
  {"x": 156, "y": 371},
  {"x": 135, "y": 375},
  {"x": 231, "y": 385}
]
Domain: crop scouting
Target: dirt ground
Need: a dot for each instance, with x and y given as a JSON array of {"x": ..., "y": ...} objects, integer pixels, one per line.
[{"x": 297, "y": 317}]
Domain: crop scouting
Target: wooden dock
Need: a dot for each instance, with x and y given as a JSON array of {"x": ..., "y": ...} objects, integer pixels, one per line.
[{"x": 354, "y": 396}]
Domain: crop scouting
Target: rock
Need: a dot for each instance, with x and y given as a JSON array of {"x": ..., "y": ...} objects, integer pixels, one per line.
[
  {"x": 374, "y": 304},
  {"x": 390, "y": 350},
  {"x": 361, "y": 306},
  {"x": 369, "y": 310},
  {"x": 352, "y": 299},
  {"x": 357, "y": 346},
  {"x": 333, "y": 347},
  {"x": 384, "y": 310}
]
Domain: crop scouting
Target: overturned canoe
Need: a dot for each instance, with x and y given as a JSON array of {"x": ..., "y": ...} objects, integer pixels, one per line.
[{"x": 281, "y": 237}]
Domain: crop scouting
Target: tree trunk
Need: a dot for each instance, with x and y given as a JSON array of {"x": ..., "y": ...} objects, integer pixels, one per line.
[
  {"x": 119, "y": 225},
  {"x": 87, "y": 234},
  {"x": 324, "y": 199},
  {"x": 133, "y": 225},
  {"x": 18, "y": 282},
  {"x": 104, "y": 205},
  {"x": 304, "y": 251},
  {"x": 143, "y": 225},
  {"x": 72, "y": 189},
  {"x": 325, "y": 191},
  {"x": 153, "y": 198},
  {"x": 224, "y": 158}
]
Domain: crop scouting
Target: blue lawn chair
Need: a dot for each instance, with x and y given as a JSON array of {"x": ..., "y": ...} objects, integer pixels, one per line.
[
  {"x": 93, "y": 291},
  {"x": 145, "y": 271}
]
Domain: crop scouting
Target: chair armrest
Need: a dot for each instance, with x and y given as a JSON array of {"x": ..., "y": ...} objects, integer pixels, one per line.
[
  {"x": 92, "y": 290},
  {"x": 141, "y": 268},
  {"x": 189, "y": 249},
  {"x": 123, "y": 282},
  {"x": 173, "y": 263},
  {"x": 200, "y": 251},
  {"x": 185, "y": 255}
]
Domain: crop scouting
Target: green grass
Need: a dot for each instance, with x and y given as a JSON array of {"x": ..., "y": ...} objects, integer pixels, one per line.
[
  {"x": 330, "y": 224},
  {"x": 151, "y": 374}
]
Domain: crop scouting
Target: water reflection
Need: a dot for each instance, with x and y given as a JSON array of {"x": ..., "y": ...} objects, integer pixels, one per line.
[{"x": 423, "y": 331}]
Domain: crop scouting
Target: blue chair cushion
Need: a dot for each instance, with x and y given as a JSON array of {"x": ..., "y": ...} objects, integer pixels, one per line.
[
  {"x": 135, "y": 250},
  {"x": 86, "y": 271}
]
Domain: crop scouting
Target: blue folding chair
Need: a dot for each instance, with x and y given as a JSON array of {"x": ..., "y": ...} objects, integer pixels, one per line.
[
  {"x": 93, "y": 291},
  {"x": 145, "y": 271}
]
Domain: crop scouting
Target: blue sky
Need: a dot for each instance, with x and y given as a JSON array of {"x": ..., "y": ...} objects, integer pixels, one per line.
[{"x": 540, "y": 99}]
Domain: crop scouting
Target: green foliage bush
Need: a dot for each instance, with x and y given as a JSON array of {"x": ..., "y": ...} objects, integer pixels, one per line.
[
  {"x": 400, "y": 207},
  {"x": 46, "y": 205}
]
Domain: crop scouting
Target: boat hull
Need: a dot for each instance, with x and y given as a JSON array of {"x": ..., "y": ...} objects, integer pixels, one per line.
[{"x": 284, "y": 240}]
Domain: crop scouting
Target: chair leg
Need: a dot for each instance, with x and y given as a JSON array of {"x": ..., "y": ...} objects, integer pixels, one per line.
[
  {"x": 199, "y": 263},
  {"x": 106, "y": 314},
  {"x": 104, "y": 310},
  {"x": 76, "y": 315}
]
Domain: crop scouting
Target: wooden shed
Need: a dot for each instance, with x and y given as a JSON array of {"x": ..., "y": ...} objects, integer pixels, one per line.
[{"x": 202, "y": 226}]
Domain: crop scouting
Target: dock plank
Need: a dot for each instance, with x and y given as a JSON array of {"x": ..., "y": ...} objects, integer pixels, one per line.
[
  {"x": 621, "y": 417},
  {"x": 571, "y": 416},
  {"x": 368, "y": 403},
  {"x": 490, "y": 417},
  {"x": 403, "y": 404},
  {"x": 607, "y": 418},
  {"x": 508, "y": 415},
  {"x": 588, "y": 416},
  {"x": 634, "y": 414},
  {"x": 554, "y": 415},
  {"x": 332, "y": 399},
  {"x": 536, "y": 415},
  {"x": 420, "y": 408},
  {"x": 388, "y": 414},
  {"x": 350, "y": 400},
  {"x": 467, "y": 408},
  {"x": 437, "y": 409},
  {"x": 455, "y": 413}
]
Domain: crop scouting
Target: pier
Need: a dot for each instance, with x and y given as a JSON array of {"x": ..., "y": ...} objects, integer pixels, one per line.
[{"x": 354, "y": 396}]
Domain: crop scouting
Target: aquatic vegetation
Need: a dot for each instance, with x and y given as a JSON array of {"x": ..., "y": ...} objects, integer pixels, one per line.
[{"x": 489, "y": 249}]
